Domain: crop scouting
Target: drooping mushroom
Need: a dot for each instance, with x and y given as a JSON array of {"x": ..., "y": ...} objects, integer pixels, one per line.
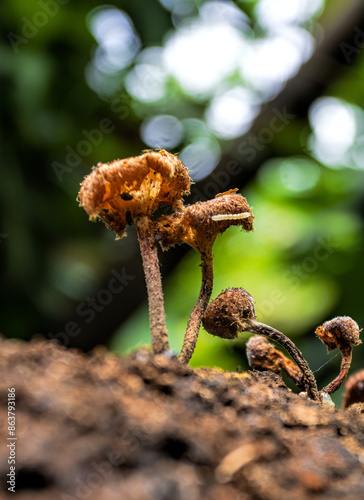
[
  {"x": 233, "y": 311},
  {"x": 127, "y": 192},
  {"x": 199, "y": 225},
  {"x": 341, "y": 332},
  {"x": 263, "y": 356}
]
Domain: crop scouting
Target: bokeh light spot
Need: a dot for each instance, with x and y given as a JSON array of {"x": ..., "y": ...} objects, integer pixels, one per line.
[
  {"x": 231, "y": 114},
  {"x": 200, "y": 55},
  {"x": 268, "y": 63},
  {"x": 334, "y": 130},
  {"x": 299, "y": 175},
  {"x": 228, "y": 11},
  {"x": 274, "y": 13},
  {"x": 163, "y": 131},
  {"x": 201, "y": 157}
]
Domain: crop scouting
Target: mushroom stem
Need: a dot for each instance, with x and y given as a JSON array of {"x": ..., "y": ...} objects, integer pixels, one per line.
[
  {"x": 253, "y": 326},
  {"x": 194, "y": 322},
  {"x": 333, "y": 386},
  {"x": 293, "y": 372},
  {"x": 157, "y": 320}
]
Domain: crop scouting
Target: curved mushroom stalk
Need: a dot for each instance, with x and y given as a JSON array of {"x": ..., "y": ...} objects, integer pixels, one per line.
[
  {"x": 308, "y": 379},
  {"x": 233, "y": 311},
  {"x": 194, "y": 322},
  {"x": 263, "y": 356}
]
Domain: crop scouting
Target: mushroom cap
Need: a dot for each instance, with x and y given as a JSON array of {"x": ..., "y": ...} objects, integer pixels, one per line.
[
  {"x": 354, "y": 389},
  {"x": 198, "y": 225},
  {"x": 340, "y": 332},
  {"x": 123, "y": 190},
  {"x": 225, "y": 315},
  {"x": 262, "y": 355}
]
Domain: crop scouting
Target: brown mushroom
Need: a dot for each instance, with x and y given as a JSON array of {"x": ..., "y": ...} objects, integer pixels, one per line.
[
  {"x": 199, "y": 225},
  {"x": 341, "y": 332},
  {"x": 233, "y": 311},
  {"x": 126, "y": 192},
  {"x": 354, "y": 390},
  {"x": 263, "y": 356}
]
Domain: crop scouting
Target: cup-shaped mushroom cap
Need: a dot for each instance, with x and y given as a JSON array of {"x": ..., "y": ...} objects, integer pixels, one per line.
[
  {"x": 340, "y": 332},
  {"x": 225, "y": 315},
  {"x": 198, "y": 225},
  {"x": 124, "y": 190}
]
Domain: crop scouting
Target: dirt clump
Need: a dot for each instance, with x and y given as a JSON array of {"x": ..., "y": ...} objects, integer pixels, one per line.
[{"x": 144, "y": 427}]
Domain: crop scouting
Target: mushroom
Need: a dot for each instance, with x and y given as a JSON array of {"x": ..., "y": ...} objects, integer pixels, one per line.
[
  {"x": 233, "y": 311},
  {"x": 199, "y": 225},
  {"x": 127, "y": 192},
  {"x": 263, "y": 356},
  {"x": 341, "y": 332},
  {"x": 354, "y": 390}
]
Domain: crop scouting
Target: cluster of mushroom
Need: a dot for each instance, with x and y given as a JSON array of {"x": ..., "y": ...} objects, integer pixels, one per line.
[
  {"x": 129, "y": 192},
  {"x": 233, "y": 311}
]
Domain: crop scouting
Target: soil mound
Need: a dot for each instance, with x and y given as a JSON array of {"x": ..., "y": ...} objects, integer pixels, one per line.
[{"x": 143, "y": 427}]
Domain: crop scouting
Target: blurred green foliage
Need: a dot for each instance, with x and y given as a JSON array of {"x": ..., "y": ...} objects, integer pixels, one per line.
[{"x": 62, "y": 75}]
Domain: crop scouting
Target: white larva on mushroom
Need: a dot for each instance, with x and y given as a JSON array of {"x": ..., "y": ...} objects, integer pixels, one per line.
[{"x": 243, "y": 215}]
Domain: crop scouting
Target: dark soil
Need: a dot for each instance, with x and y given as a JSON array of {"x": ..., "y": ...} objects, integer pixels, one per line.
[{"x": 145, "y": 428}]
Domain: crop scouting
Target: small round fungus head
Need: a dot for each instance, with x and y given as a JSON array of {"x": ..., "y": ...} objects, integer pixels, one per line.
[
  {"x": 225, "y": 315},
  {"x": 340, "y": 332},
  {"x": 123, "y": 191},
  {"x": 262, "y": 355},
  {"x": 198, "y": 225}
]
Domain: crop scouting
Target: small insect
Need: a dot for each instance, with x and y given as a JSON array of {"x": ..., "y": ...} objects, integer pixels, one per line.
[
  {"x": 126, "y": 196},
  {"x": 243, "y": 215}
]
